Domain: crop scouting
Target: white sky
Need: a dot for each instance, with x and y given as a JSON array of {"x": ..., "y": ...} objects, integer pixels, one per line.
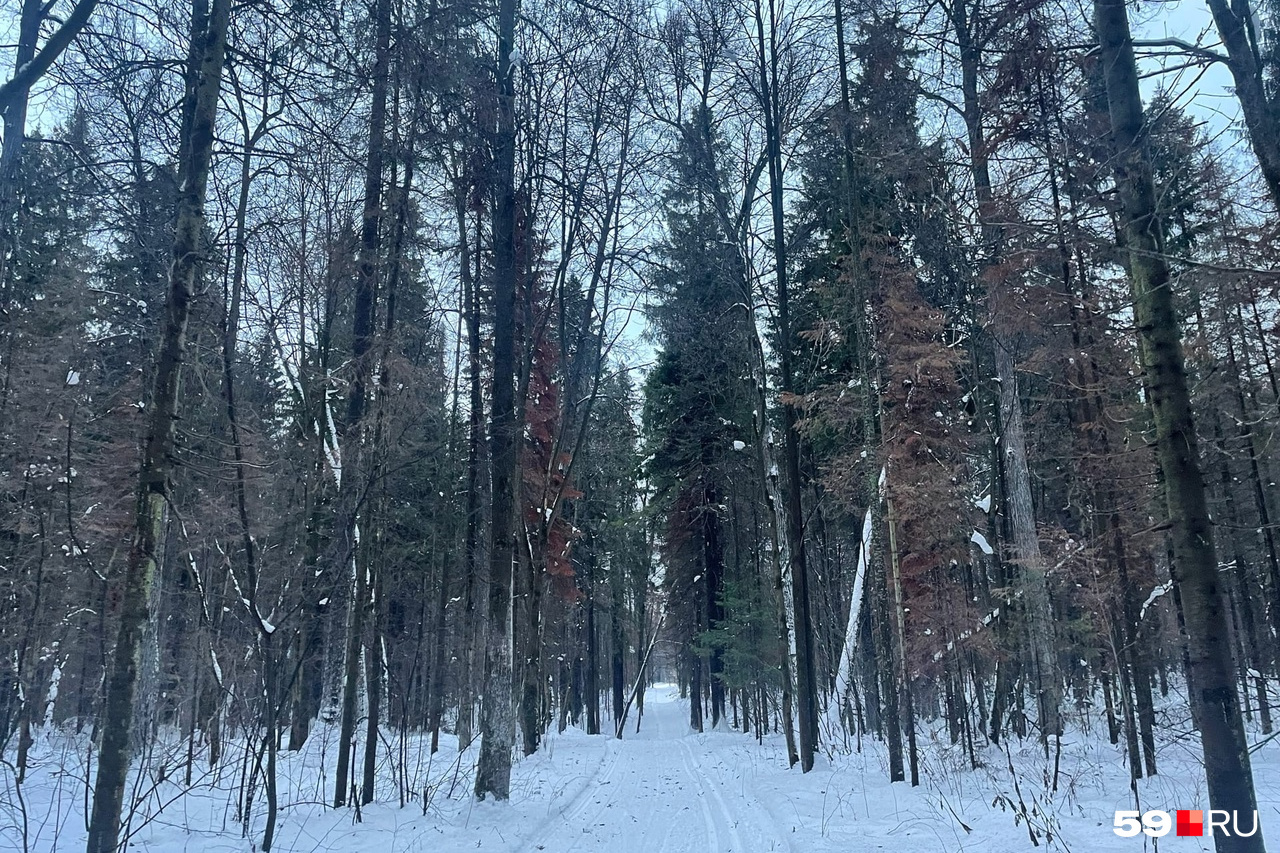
[{"x": 1210, "y": 97}]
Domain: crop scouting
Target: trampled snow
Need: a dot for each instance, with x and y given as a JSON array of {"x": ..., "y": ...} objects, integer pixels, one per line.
[{"x": 663, "y": 790}]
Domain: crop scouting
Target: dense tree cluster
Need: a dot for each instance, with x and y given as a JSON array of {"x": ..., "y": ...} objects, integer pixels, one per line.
[{"x": 380, "y": 370}]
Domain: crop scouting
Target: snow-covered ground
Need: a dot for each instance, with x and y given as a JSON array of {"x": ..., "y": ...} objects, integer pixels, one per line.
[{"x": 663, "y": 790}]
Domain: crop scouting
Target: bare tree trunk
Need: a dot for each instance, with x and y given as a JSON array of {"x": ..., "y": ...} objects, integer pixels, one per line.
[
  {"x": 497, "y": 723},
  {"x": 437, "y": 678},
  {"x": 15, "y": 126},
  {"x": 204, "y": 79},
  {"x": 1211, "y": 670},
  {"x": 1235, "y": 27},
  {"x": 374, "y": 666},
  {"x": 1256, "y": 478},
  {"x": 527, "y": 641},
  {"x": 713, "y": 611},
  {"x": 886, "y": 659},
  {"x": 618, "y": 647},
  {"x": 806, "y": 688},
  {"x": 230, "y": 344},
  {"x": 591, "y": 683},
  {"x": 37, "y": 64},
  {"x": 1026, "y": 545},
  {"x": 357, "y": 402},
  {"x": 29, "y": 65},
  {"x": 471, "y": 635},
  {"x": 1013, "y": 457},
  {"x": 898, "y": 604},
  {"x": 308, "y": 694}
]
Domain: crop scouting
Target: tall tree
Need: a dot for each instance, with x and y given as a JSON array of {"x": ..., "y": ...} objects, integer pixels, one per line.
[
  {"x": 697, "y": 411},
  {"x": 1215, "y": 703},
  {"x": 980, "y": 26},
  {"x": 771, "y": 101},
  {"x": 358, "y": 457},
  {"x": 497, "y": 718},
  {"x": 206, "y": 57}
]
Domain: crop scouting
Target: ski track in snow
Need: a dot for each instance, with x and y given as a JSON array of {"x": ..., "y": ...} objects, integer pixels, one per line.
[
  {"x": 592, "y": 792},
  {"x": 664, "y": 789},
  {"x": 723, "y": 816},
  {"x": 656, "y": 794}
]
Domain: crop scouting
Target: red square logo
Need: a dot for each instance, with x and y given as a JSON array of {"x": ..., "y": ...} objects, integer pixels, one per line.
[{"x": 1190, "y": 822}]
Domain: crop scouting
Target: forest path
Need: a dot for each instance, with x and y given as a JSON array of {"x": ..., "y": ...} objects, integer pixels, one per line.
[{"x": 665, "y": 789}]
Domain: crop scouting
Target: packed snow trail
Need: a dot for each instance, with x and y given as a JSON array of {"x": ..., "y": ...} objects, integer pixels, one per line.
[
  {"x": 659, "y": 792},
  {"x": 665, "y": 789}
]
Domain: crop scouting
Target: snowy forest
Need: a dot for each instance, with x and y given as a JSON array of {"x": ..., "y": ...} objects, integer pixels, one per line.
[{"x": 695, "y": 425}]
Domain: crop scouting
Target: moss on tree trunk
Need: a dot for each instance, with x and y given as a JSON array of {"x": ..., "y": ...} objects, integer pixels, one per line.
[{"x": 204, "y": 79}]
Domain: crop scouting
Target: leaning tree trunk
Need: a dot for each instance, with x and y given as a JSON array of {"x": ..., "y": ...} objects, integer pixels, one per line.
[
  {"x": 29, "y": 65},
  {"x": 1235, "y": 25},
  {"x": 497, "y": 723},
  {"x": 204, "y": 80},
  {"x": 1211, "y": 670}
]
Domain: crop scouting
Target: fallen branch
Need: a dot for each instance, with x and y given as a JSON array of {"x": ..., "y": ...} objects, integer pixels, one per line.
[{"x": 644, "y": 664}]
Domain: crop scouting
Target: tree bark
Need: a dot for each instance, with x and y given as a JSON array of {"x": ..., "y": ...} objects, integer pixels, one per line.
[
  {"x": 1211, "y": 670},
  {"x": 471, "y": 635},
  {"x": 591, "y": 683},
  {"x": 1018, "y": 504},
  {"x": 1235, "y": 27},
  {"x": 806, "y": 688},
  {"x": 26, "y": 73},
  {"x": 362, "y": 333},
  {"x": 15, "y": 125},
  {"x": 204, "y": 80},
  {"x": 1026, "y": 544},
  {"x": 497, "y": 723},
  {"x": 900, "y": 624},
  {"x": 713, "y": 580},
  {"x": 617, "y": 650},
  {"x": 230, "y": 344}
]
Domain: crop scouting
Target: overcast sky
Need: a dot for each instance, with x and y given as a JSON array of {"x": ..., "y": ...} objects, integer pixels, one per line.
[{"x": 1207, "y": 91}]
